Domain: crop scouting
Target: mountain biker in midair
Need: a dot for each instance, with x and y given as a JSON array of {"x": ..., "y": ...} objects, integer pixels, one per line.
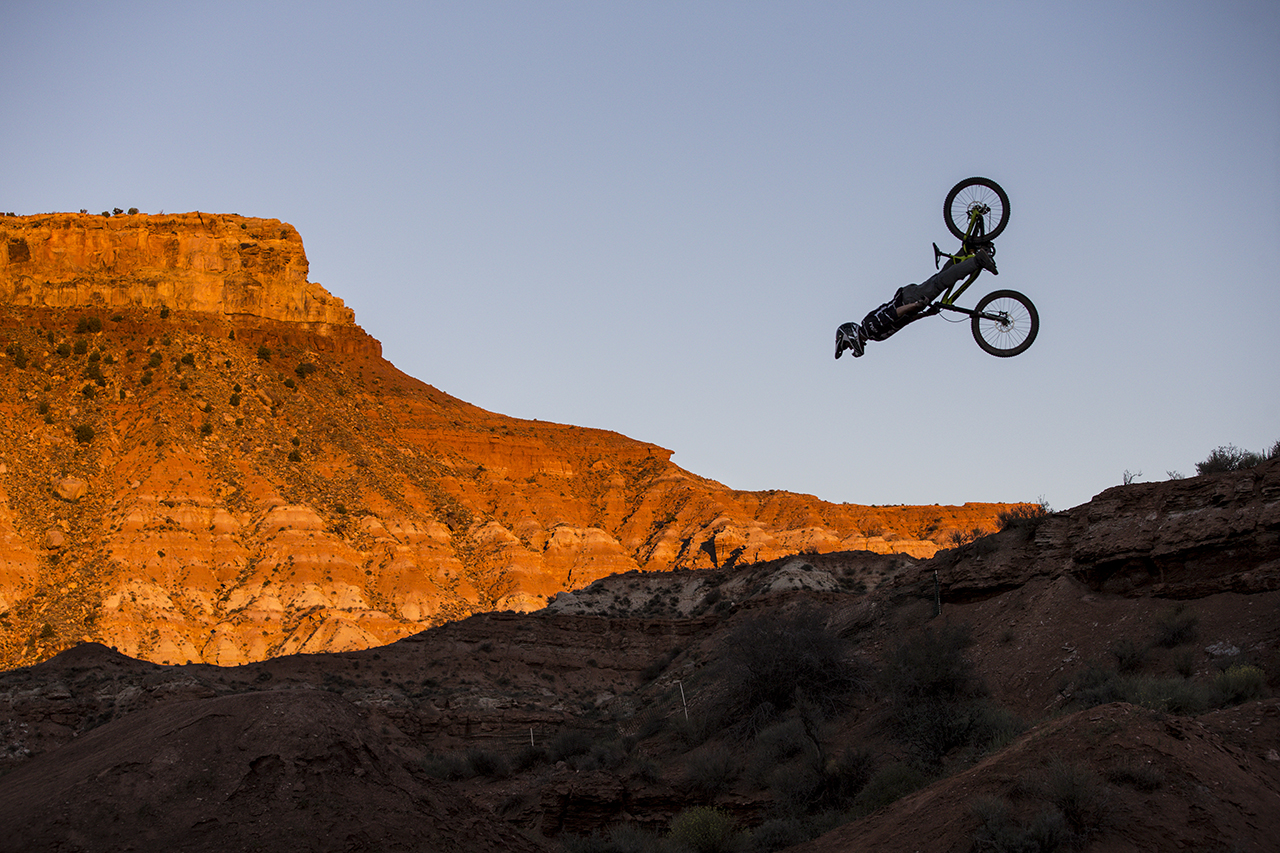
[{"x": 906, "y": 305}]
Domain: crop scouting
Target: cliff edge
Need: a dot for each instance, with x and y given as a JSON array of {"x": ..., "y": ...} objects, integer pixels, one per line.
[{"x": 200, "y": 262}]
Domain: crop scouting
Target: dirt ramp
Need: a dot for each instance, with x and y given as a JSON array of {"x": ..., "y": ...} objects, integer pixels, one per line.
[{"x": 288, "y": 770}]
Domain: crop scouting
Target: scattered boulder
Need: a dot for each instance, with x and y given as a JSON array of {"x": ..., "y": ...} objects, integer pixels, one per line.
[{"x": 71, "y": 489}]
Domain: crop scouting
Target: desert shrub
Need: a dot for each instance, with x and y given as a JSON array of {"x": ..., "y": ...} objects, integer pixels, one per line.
[
  {"x": 1079, "y": 793},
  {"x": 1184, "y": 662},
  {"x": 1047, "y": 831},
  {"x": 932, "y": 663},
  {"x": 63, "y": 349},
  {"x": 710, "y": 771},
  {"x": 145, "y": 379},
  {"x": 626, "y": 838},
  {"x": 19, "y": 356},
  {"x": 264, "y": 353},
  {"x": 570, "y": 743},
  {"x": 774, "y": 662},
  {"x": 528, "y": 757},
  {"x": 164, "y": 313},
  {"x": 1022, "y": 513},
  {"x": 937, "y": 703},
  {"x": 887, "y": 785},
  {"x": 1098, "y": 686},
  {"x": 777, "y": 745},
  {"x": 1177, "y": 626},
  {"x": 304, "y": 370},
  {"x": 703, "y": 830},
  {"x": 1239, "y": 683},
  {"x": 155, "y": 360},
  {"x": 88, "y": 324},
  {"x": 486, "y": 763},
  {"x": 843, "y": 779},
  {"x": 1130, "y": 656},
  {"x": 779, "y": 833},
  {"x": 189, "y": 359},
  {"x": 84, "y": 434},
  {"x": 1232, "y": 458}
]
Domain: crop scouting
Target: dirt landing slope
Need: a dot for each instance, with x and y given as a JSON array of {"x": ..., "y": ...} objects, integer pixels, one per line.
[{"x": 288, "y": 770}]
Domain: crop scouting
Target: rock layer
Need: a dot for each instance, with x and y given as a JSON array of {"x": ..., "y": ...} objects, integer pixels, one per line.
[
  {"x": 238, "y": 474},
  {"x": 211, "y": 263}
]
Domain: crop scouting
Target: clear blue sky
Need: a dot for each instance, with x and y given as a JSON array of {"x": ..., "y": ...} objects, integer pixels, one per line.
[{"x": 650, "y": 217}]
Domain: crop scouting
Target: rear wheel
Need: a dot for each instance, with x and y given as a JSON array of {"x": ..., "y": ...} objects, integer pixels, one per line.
[
  {"x": 1005, "y": 323},
  {"x": 980, "y": 195}
]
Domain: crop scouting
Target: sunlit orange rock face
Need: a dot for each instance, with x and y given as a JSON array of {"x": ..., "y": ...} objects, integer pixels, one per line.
[
  {"x": 203, "y": 458},
  {"x": 210, "y": 263}
]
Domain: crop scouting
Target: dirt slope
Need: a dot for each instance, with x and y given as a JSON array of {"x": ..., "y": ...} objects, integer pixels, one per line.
[
  {"x": 288, "y": 770},
  {"x": 566, "y": 723}
]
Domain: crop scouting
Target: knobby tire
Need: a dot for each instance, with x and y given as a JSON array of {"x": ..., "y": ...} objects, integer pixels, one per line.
[
  {"x": 1012, "y": 336},
  {"x": 970, "y": 191}
]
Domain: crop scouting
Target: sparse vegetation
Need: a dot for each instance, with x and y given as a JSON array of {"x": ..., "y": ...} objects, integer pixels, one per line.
[
  {"x": 777, "y": 661},
  {"x": 937, "y": 702},
  {"x": 1177, "y": 626},
  {"x": 1022, "y": 513},
  {"x": 1240, "y": 683},
  {"x": 18, "y": 355},
  {"x": 1231, "y": 458},
  {"x": 703, "y": 830}
]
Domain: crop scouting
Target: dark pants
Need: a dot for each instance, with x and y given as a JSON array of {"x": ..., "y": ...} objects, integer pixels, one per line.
[{"x": 883, "y": 322}]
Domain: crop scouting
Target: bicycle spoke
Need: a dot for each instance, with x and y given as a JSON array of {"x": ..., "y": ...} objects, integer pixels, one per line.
[{"x": 1014, "y": 329}]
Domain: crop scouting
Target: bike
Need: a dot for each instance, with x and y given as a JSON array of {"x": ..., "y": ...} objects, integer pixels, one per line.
[{"x": 1004, "y": 322}]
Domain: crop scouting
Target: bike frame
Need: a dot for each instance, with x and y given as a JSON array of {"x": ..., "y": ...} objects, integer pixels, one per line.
[{"x": 973, "y": 239}]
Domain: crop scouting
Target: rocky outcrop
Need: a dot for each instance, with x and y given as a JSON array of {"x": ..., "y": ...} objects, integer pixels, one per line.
[
  {"x": 200, "y": 262},
  {"x": 1178, "y": 539},
  {"x": 206, "y": 460}
]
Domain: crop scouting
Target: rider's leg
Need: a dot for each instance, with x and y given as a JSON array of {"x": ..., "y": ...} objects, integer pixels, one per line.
[{"x": 930, "y": 288}]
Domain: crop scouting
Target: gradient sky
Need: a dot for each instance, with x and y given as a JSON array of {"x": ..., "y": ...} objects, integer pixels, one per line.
[{"x": 649, "y": 217}]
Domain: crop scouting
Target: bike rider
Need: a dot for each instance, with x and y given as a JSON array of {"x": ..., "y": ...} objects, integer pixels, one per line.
[{"x": 906, "y": 305}]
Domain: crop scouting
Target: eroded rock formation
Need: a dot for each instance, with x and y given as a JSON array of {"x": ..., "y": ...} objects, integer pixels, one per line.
[
  {"x": 212, "y": 263},
  {"x": 205, "y": 459}
]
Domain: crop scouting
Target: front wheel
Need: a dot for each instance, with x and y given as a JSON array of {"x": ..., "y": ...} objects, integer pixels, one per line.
[{"x": 1005, "y": 323}]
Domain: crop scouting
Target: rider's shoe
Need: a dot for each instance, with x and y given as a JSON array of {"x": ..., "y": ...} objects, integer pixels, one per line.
[
  {"x": 987, "y": 262},
  {"x": 849, "y": 336}
]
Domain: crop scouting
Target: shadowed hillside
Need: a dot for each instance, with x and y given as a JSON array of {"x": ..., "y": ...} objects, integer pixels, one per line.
[{"x": 1096, "y": 679}]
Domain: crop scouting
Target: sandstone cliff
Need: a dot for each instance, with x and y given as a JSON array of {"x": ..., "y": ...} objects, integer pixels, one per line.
[
  {"x": 205, "y": 459},
  {"x": 212, "y": 263}
]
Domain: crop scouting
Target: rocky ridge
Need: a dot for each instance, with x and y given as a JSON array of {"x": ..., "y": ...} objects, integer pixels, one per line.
[
  {"x": 205, "y": 459},
  {"x": 589, "y": 715}
]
